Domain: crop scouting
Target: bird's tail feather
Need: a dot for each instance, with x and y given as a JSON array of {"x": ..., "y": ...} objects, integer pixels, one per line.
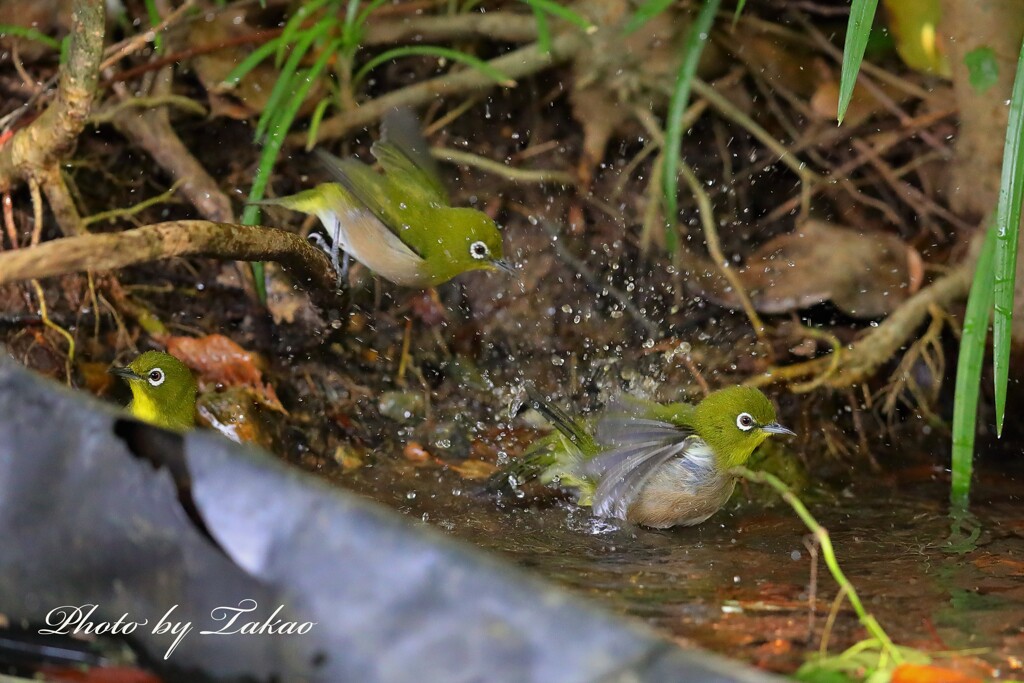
[{"x": 565, "y": 423}]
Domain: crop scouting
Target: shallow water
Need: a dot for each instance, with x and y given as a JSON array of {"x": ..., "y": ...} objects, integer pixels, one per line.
[{"x": 741, "y": 583}]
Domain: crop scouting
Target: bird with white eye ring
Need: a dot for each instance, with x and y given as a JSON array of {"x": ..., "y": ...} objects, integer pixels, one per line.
[
  {"x": 654, "y": 464},
  {"x": 163, "y": 390},
  {"x": 399, "y": 224}
]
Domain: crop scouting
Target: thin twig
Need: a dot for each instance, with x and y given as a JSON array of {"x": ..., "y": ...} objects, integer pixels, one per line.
[
  {"x": 520, "y": 175},
  {"x": 119, "y": 51},
  {"x": 128, "y": 211},
  {"x": 45, "y": 317},
  {"x": 707, "y": 219}
]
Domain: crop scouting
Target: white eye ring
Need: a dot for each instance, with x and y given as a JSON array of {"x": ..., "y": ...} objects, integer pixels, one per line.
[
  {"x": 745, "y": 422},
  {"x": 479, "y": 250},
  {"x": 156, "y": 377}
]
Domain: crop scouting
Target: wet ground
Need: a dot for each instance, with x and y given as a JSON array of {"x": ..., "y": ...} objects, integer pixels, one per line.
[{"x": 743, "y": 583}]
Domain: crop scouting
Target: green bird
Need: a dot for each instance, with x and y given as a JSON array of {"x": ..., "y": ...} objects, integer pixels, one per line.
[
  {"x": 163, "y": 390},
  {"x": 401, "y": 225},
  {"x": 658, "y": 465}
]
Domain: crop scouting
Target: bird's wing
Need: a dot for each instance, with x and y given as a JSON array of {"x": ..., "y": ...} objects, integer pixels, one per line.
[
  {"x": 404, "y": 154},
  {"x": 629, "y": 419},
  {"x": 371, "y": 190},
  {"x": 634, "y": 467},
  {"x": 638, "y": 437}
]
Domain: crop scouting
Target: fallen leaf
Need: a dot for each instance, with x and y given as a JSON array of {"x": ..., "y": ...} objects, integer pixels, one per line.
[
  {"x": 866, "y": 274},
  {"x": 220, "y": 361},
  {"x": 251, "y": 93},
  {"x": 96, "y": 377},
  {"x": 236, "y": 414},
  {"x": 475, "y": 470},
  {"x": 927, "y": 673}
]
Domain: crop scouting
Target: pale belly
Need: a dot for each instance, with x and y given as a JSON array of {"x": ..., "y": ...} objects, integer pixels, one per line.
[
  {"x": 368, "y": 241},
  {"x": 663, "y": 503}
]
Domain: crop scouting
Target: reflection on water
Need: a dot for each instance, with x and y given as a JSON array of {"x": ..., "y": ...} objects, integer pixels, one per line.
[{"x": 742, "y": 582}]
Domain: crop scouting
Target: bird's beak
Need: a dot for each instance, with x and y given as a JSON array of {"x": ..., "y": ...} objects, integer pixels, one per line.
[
  {"x": 503, "y": 265},
  {"x": 776, "y": 428},
  {"x": 124, "y": 373}
]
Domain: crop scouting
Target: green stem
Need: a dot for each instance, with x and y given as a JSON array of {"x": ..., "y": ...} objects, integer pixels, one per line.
[{"x": 827, "y": 552}]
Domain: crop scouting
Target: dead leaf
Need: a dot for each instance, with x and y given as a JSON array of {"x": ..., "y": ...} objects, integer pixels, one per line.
[
  {"x": 236, "y": 414},
  {"x": 220, "y": 361},
  {"x": 250, "y": 95},
  {"x": 474, "y": 470},
  {"x": 288, "y": 304},
  {"x": 927, "y": 673},
  {"x": 866, "y": 274},
  {"x": 96, "y": 377}
]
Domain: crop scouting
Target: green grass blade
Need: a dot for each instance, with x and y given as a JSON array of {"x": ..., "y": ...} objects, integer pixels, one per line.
[
  {"x": 275, "y": 140},
  {"x": 564, "y": 13},
  {"x": 154, "y": 18},
  {"x": 435, "y": 51},
  {"x": 968, "y": 372},
  {"x": 862, "y": 15},
  {"x": 645, "y": 12},
  {"x": 1011, "y": 191},
  {"x": 294, "y": 26},
  {"x": 314, "y": 122},
  {"x": 284, "y": 84},
  {"x": 251, "y": 62},
  {"x": 351, "y": 24},
  {"x": 543, "y": 30},
  {"x": 367, "y": 11},
  {"x": 693, "y": 48},
  {"x": 29, "y": 34},
  {"x": 739, "y": 10}
]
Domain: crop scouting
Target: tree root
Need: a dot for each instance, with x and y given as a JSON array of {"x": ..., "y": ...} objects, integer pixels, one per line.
[
  {"x": 152, "y": 131},
  {"x": 34, "y": 151},
  {"x": 861, "y": 359},
  {"x": 226, "y": 241}
]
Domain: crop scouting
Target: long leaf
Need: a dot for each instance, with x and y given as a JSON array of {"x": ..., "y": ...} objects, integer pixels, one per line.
[
  {"x": 862, "y": 15},
  {"x": 739, "y": 10},
  {"x": 968, "y": 372},
  {"x": 435, "y": 51},
  {"x": 29, "y": 34},
  {"x": 294, "y": 27},
  {"x": 645, "y": 12},
  {"x": 154, "y": 18},
  {"x": 251, "y": 62},
  {"x": 543, "y": 30},
  {"x": 1011, "y": 191},
  {"x": 562, "y": 12},
  {"x": 284, "y": 85},
  {"x": 693, "y": 48}
]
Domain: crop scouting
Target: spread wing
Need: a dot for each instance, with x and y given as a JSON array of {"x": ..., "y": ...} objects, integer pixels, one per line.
[
  {"x": 404, "y": 154},
  {"x": 636, "y": 449},
  {"x": 372, "y": 191}
]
